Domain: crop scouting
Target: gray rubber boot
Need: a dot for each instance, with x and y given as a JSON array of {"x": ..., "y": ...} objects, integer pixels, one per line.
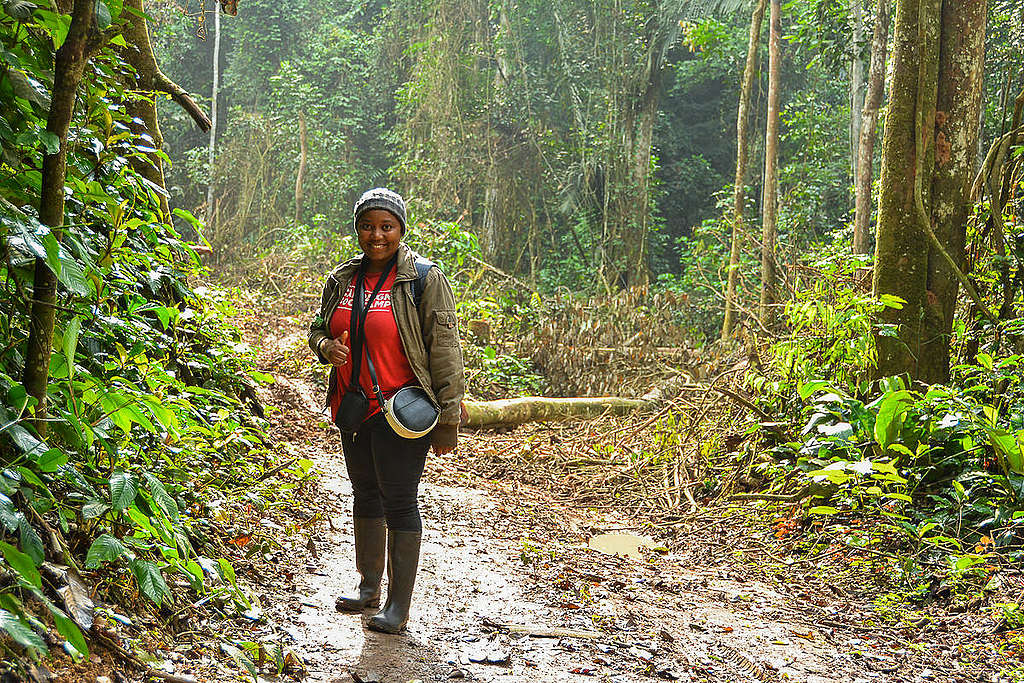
[
  {"x": 403, "y": 560},
  {"x": 370, "y": 534}
]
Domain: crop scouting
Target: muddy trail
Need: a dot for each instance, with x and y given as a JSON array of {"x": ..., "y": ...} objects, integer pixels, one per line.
[{"x": 508, "y": 589}]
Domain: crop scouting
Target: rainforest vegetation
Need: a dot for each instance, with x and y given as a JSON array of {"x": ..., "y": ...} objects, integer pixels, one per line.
[{"x": 793, "y": 230}]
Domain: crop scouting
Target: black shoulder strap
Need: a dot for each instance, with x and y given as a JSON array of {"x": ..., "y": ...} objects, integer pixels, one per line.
[{"x": 423, "y": 266}]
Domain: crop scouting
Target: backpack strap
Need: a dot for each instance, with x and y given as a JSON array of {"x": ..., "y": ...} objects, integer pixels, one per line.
[{"x": 423, "y": 266}]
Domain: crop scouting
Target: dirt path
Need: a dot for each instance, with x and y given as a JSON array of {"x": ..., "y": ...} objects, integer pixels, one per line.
[{"x": 507, "y": 555}]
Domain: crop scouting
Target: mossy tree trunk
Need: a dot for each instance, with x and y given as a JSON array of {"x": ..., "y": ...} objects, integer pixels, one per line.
[
  {"x": 739, "y": 197},
  {"x": 69, "y": 65},
  {"x": 924, "y": 156},
  {"x": 869, "y": 122},
  {"x": 961, "y": 64}
]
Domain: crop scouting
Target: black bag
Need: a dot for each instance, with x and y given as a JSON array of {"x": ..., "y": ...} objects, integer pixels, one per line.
[{"x": 353, "y": 408}]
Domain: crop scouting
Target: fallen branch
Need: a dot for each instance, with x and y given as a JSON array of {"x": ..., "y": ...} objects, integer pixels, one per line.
[
  {"x": 543, "y": 632},
  {"x": 517, "y": 411}
]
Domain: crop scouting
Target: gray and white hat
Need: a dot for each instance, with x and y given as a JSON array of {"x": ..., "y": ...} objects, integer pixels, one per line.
[{"x": 380, "y": 198}]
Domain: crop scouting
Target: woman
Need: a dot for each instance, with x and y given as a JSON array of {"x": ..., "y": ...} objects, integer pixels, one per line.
[{"x": 410, "y": 336}]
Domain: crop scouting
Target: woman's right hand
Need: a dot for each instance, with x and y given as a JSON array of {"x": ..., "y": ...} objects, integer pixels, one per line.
[{"x": 336, "y": 350}]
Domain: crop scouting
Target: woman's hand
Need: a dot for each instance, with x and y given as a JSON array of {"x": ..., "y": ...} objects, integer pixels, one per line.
[
  {"x": 336, "y": 350},
  {"x": 444, "y": 438}
]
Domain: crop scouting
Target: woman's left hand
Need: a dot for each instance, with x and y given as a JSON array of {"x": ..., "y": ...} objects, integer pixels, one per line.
[{"x": 444, "y": 438}]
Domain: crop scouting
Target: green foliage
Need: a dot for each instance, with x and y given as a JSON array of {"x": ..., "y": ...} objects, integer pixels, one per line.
[
  {"x": 145, "y": 375},
  {"x": 831, "y": 327}
]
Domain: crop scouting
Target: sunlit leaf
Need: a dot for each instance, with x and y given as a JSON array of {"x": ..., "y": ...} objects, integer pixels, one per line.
[{"x": 22, "y": 564}]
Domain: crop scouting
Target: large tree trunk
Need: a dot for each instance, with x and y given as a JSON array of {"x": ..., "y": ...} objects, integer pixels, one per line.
[
  {"x": 927, "y": 154},
  {"x": 739, "y": 184},
  {"x": 961, "y": 64},
  {"x": 517, "y": 411},
  {"x": 769, "y": 269},
  {"x": 69, "y": 65},
  {"x": 148, "y": 80},
  {"x": 869, "y": 122}
]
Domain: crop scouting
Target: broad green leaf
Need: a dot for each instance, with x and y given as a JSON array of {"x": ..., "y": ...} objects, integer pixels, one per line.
[
  {"x": 106, "y": 548},
  {"x": 227, "y": 572},
  {"x": 898, "y": 496},
  {"x": 94, "y": 509},
  {"x": 823, "y": 510},
  {"x": 9, "y": 517},
  {"x": 808, "y": 388},
  {"x": 102, "y": 15},
  {"x": 70, "y": 344},
  {"x": 889, "y": 420},
  {"x": 22, "y": 564},
  {"x": 50, "y": 142},
  {"x": 162, "y": 498},
  {"x": 52, "y": 460},
  {"x": 21, "y": 632},
  {"x": 19, "y": 9},
  {"x": 69, "y": 629},
  {"x": 123, "y": 490},
  {"x": 241, "y": 658},
  {"x": 151, "y": 581},
  {"x": 985, "y": 361},
  {"x": 31, "y": 543}
]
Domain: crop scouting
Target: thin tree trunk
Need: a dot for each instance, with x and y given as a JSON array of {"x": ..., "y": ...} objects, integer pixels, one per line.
[
  {"x": 869, "y": 123},
  {"x": 856, "y": 83},
  {"x": 301, "y": 176},
  {"x": 769, "y": 274},
  {"x": 739, "y": 186},
  {"x": 69, "y": 65},
  {"x": 213, "y": 110},
  {"x": 901, "y": 257},
  {"x": 961, "y": 65}
]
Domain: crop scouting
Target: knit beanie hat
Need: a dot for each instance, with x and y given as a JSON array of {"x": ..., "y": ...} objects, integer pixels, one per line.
[{"x": 380, "y": 198}]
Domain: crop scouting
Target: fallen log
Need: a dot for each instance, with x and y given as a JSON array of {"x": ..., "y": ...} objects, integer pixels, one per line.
[{"x": 517, "y": 411}]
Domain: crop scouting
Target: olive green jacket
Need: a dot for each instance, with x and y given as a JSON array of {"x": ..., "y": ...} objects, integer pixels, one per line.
[{"x": 429, "y": 333}]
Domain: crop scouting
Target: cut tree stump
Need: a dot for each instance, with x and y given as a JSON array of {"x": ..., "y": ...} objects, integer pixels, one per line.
[{"x": 517, "y": 411}]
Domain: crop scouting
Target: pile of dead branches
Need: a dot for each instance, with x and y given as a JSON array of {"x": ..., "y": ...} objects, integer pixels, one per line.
[{"x": 659, "y": 466}]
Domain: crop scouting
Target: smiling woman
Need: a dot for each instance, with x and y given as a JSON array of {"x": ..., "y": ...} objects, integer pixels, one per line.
[{"x": 392, "y": 311}]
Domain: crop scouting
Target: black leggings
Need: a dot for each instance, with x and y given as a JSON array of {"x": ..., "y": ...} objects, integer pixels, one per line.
[{"x": 385, "y": 471}]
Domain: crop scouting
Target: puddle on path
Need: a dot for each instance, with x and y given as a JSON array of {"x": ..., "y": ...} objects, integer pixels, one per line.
[{"x": 626, "y": 545}]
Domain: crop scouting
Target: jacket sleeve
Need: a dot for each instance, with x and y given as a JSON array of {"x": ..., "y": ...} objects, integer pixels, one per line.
[
  {"x": 439, "y": 323},
  {"x": 318, "y": 326}
]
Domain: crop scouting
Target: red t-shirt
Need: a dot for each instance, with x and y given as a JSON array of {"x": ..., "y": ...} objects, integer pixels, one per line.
[{"x": 380, "y": 339}]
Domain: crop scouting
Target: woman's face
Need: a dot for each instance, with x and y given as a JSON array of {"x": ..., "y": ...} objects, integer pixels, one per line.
[{"x": 379, "y": 234}]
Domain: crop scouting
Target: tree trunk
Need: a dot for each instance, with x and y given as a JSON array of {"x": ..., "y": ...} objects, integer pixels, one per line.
[
  {"x": 901, "y": 259},
  {"x": 961, "y": 65},
  {"x": 869, "y": 122},
  {"x": 856, "y": 83},
  {"x": 69, "y": 65},
  {"x": 301, "y": 175},
  {"x": 517, "y": 411},
  {"x": 769, "y": 275},
  {"x": 213, "y": 112},
  {"x": 141, "y": 107},
  {"x": 739, "y": 186}
]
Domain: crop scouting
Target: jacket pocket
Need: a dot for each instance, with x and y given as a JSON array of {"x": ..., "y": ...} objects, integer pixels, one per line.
[{"x": 446, "y": 328}]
